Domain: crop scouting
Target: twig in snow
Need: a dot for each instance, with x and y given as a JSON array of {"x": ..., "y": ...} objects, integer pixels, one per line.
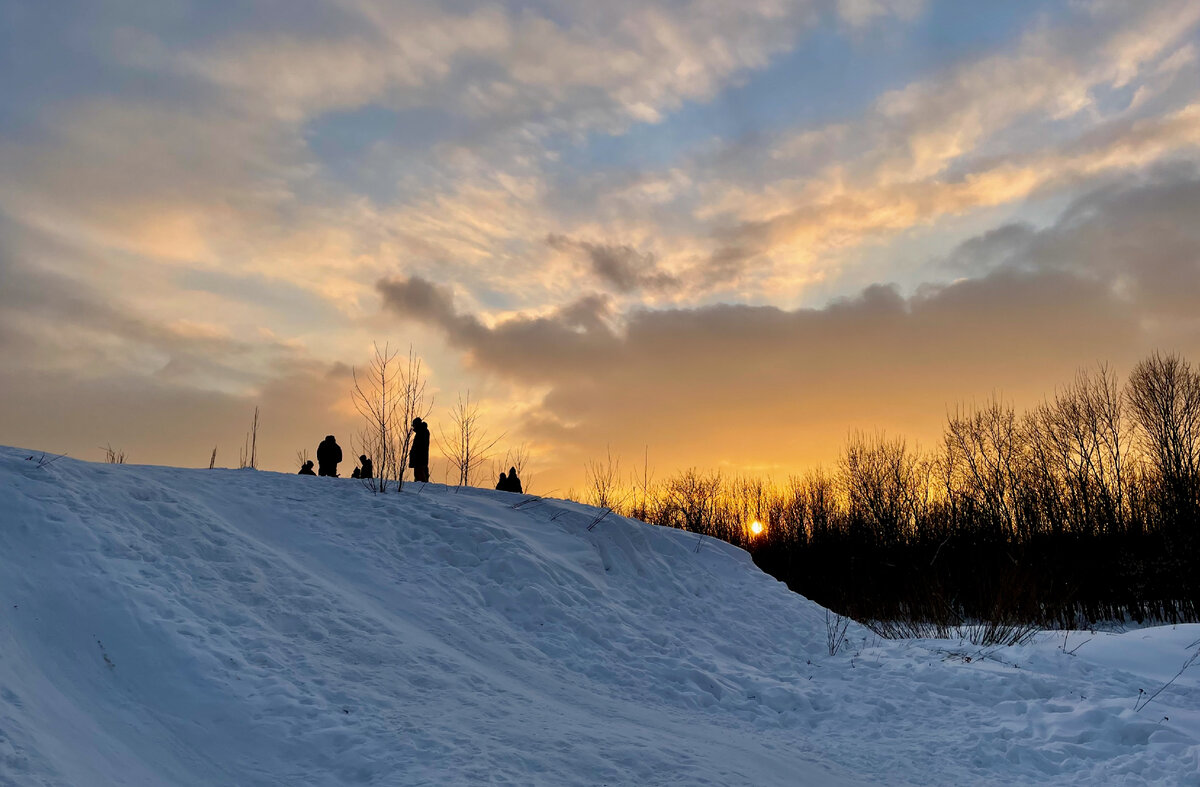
[
  {"x": 532, "y": 499},
  {"x": 526, "y": 501},
  {"x": 1071, "y": 652},
  {"x": 42, "y": 461},
  {"x": 1140, "y": 703},
  {"x": 608, "y": 510},
  {"x": 600, "y": 518}
]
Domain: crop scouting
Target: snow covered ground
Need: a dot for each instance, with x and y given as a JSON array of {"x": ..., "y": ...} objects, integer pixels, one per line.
[{"x": 162, "y": 626}]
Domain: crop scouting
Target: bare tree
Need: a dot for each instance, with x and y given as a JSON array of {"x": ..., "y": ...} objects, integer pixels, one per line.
[
  {"x": 468, "y": 445},
  {"x": 885, "y": 482},
  {"x": 302, "y": 457},
  {"x": 820, "y": 500},
  {"x": 1078, "y": 451},
  {"x": 985, "y": 451},
  {"x": 377, "y": 395},
  {"x": 1164, "y": 397}
]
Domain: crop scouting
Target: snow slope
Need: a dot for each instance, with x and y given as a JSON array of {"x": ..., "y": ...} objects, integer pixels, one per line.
[{"x": 163, "y": 626}]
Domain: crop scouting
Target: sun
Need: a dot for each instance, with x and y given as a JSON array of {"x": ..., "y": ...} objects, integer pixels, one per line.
[{"x": 756, "y": 528}]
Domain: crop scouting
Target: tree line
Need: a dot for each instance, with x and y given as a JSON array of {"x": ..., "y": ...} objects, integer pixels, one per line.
[{"x": 1084, "y": 508}]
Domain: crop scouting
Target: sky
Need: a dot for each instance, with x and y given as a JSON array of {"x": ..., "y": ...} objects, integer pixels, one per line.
[{"x": 686, "y": 233}]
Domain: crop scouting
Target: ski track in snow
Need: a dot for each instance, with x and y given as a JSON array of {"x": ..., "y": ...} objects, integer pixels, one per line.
[{"x": 195, "y": 627}]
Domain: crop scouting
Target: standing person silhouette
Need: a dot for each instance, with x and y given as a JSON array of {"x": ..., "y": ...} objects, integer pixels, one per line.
[
  {"x": 329, "y": 453},
  {"x": 418, "y": 456},
  {"x": 514, "y": 483}
]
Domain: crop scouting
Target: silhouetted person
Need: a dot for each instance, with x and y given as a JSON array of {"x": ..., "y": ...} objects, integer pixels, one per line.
[
  {"x": 514, "y": 483},
  {"x": 306, "y": 468},
  {"x": 356, "y": 474},
  {"x": 329, "y": 453},
  {"x": 502, "y": 484},
  {"x": 368, "y": 469},
  {"x": 418, "y": 456}
]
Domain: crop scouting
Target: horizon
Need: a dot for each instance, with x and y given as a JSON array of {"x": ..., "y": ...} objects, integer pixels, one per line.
[
  {"x": 609, "y": 474},
  {"x": 725, "y": 236}
]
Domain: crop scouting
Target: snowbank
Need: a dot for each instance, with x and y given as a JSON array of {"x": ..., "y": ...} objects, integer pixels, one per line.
[{"x": 195, "y": 627}]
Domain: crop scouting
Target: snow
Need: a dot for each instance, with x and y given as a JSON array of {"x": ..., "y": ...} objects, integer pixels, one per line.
[{"x": 163, "y": 626}]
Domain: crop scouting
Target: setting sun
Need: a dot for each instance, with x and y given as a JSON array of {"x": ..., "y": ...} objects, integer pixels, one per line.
[{"x": 756, "y": 528}]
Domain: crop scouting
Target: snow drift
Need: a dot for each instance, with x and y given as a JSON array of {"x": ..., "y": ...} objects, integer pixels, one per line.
[{"x": 195, "y": 627}]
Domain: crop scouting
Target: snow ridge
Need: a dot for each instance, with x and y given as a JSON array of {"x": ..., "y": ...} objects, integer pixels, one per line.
[{"x": 195, "y": 627}]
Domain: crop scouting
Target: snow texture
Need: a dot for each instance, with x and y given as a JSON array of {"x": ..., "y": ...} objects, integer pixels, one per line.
[{"x": 162, "y": 626}]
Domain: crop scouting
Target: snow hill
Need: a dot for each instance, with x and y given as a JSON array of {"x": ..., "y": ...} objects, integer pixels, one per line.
[{"x": 163, "y": 626}]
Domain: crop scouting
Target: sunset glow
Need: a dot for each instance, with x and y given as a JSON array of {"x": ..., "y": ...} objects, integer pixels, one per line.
[{"x": 690, "y": 234}]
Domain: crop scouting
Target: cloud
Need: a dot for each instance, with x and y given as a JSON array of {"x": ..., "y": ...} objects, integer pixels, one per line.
[
  {"x": 580, "y": 67},
  {"x": 85, "y": 367},
  {"x": 229, "y": 180},
  {"x": 989, "y": 131},
  {"x": 161, "y": 422},
  {"x": 858, "y": 13},
  {"x": 621, "y": 267},
  {"x": 52, "y": 320},
  {"x": 991, "y": 250},
  {"x": 1140, "y": 239},
  {"x": 846, "y": 216},
  {"x": 417, "y": 299},
  {"x": 573, "y": 336},
  {"x": 1110, "y": 280}
]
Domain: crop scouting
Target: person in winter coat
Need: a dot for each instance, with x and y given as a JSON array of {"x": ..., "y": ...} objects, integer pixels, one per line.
[
  {"x": 514, "y": 483},
  {"x": 502, "y": 484},
  {"x": 306, "y": 468},
  {"x": 329, "y": 453},
  {"x": 367, "y": 470},
  {"x": 418, "y": 455}
]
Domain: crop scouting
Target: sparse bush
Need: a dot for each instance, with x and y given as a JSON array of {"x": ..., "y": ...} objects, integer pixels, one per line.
[
  {"x": 248, "y": 457},
  {"x": 603, "y": 480},
  {"x": 467, "y": 445},
  {"x": 835, "y": 631}
]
